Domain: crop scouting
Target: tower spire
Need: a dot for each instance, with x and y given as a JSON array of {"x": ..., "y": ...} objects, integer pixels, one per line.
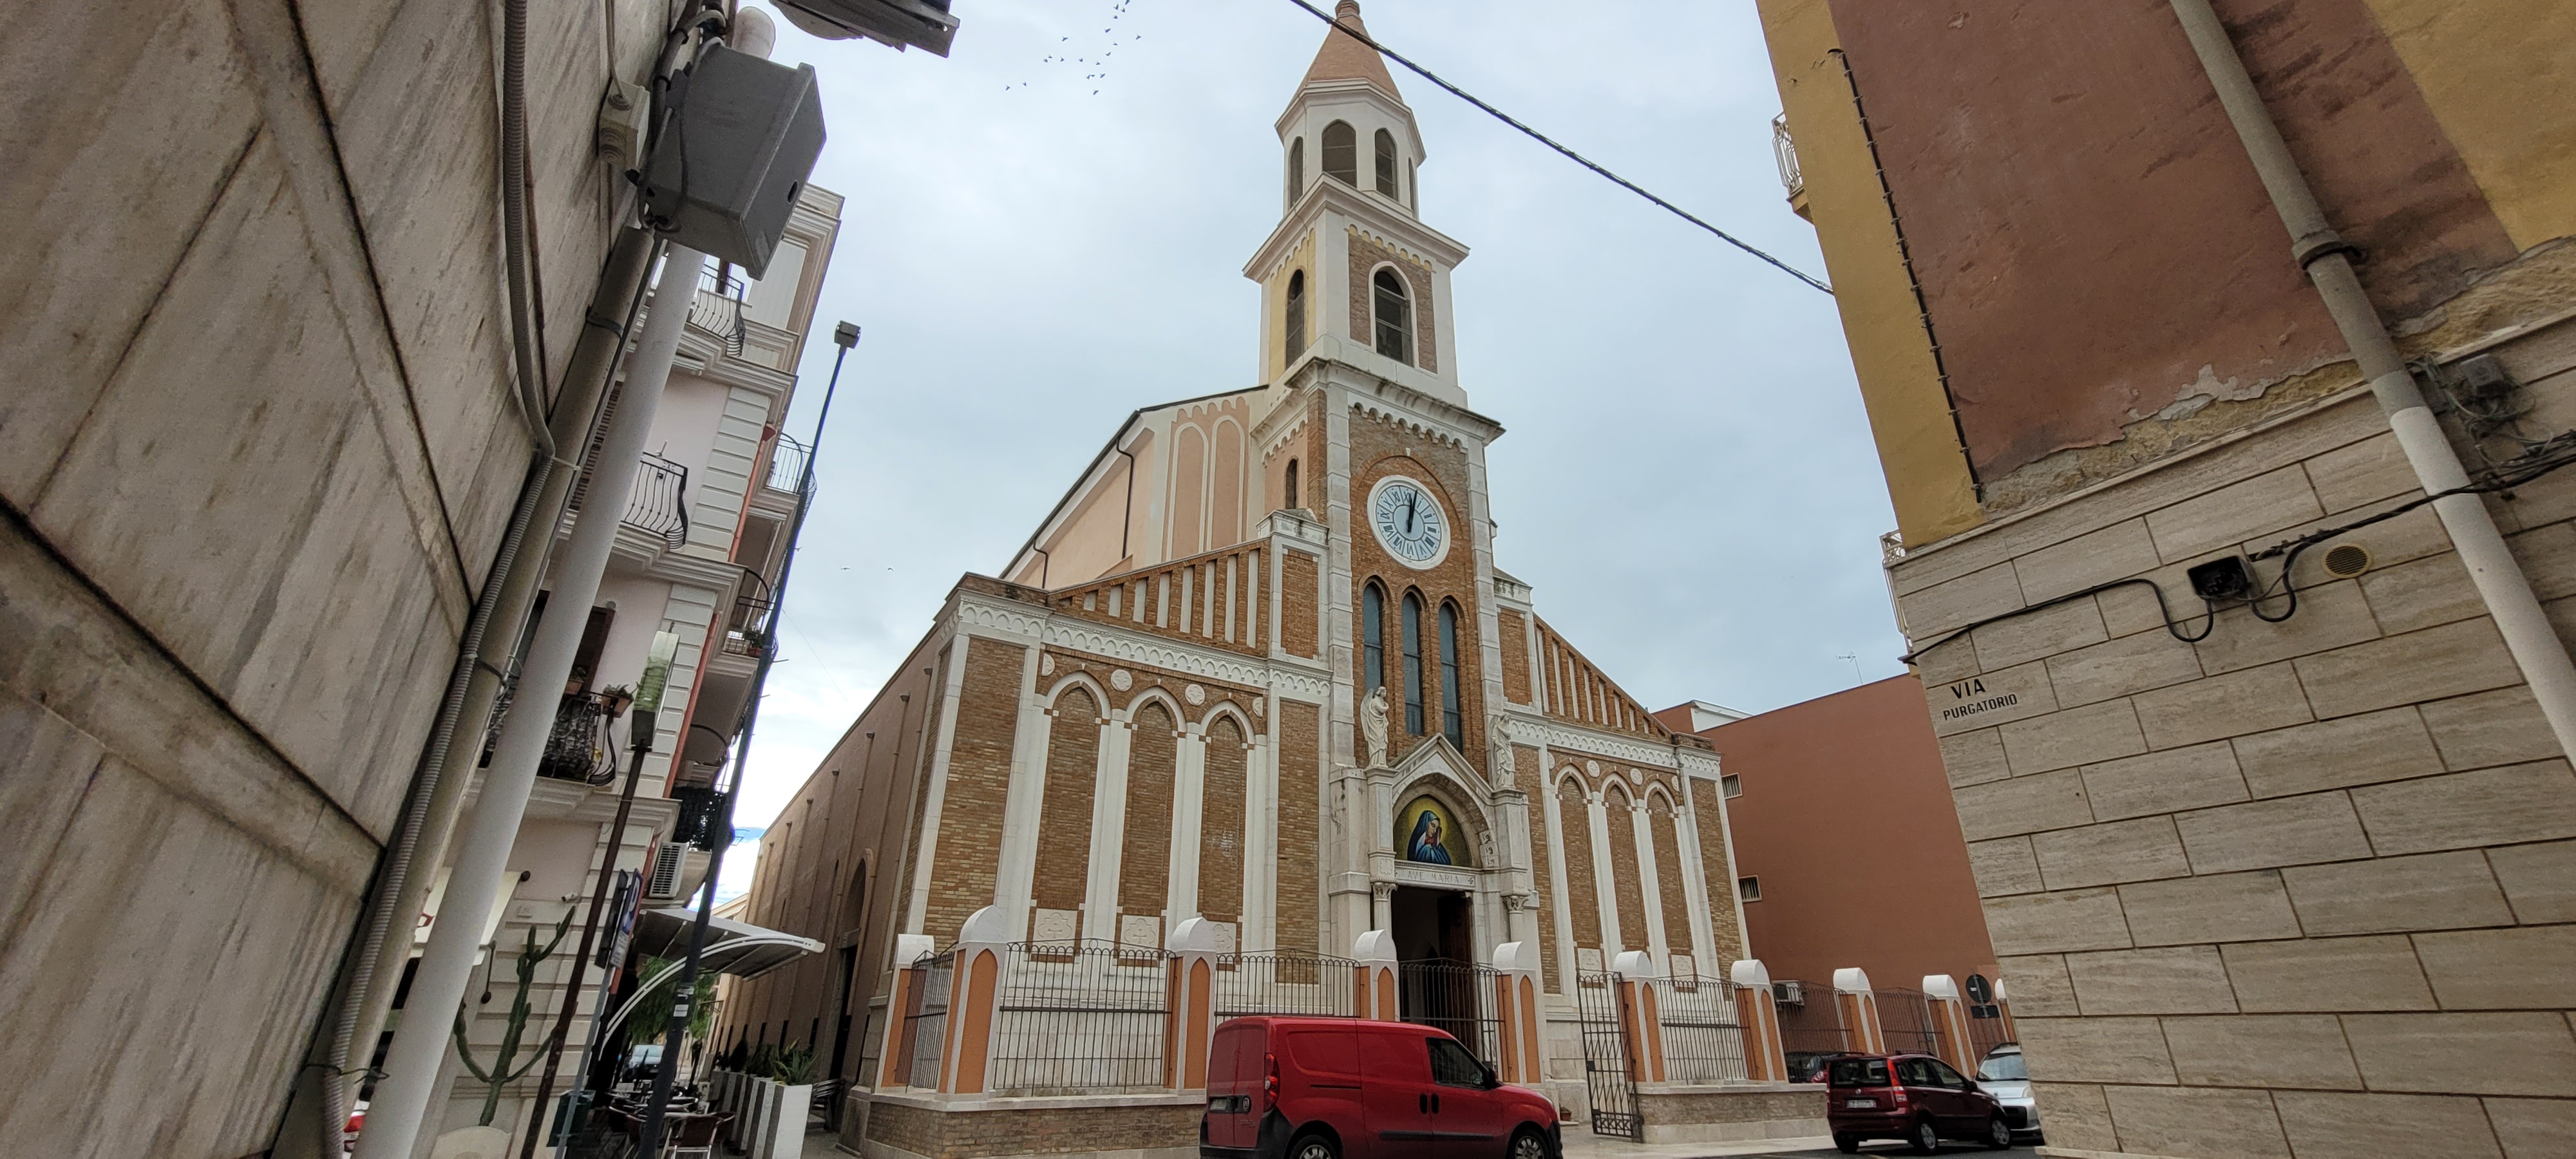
[{"x": 1345, "y": 57}]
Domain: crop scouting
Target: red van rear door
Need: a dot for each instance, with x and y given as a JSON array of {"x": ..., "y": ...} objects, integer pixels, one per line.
[
  {"x": 1236, "y": 1067},
  {"x": 1396, "y": 1071}
]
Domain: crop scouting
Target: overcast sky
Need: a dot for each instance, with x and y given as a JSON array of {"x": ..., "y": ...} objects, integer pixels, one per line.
[{"x": 1035, "y": 249}]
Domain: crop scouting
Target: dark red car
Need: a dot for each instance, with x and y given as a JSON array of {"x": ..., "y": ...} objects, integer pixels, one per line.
[
  {"x": 1914, "y": 1097},
  {"x": 1348, "y": 1088}
]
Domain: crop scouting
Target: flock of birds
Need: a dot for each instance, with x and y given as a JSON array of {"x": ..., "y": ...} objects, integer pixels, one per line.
[{"x": 1064, "y": 57}]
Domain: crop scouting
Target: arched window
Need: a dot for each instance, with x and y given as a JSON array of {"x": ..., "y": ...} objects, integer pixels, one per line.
[
  {"x": 1394, "y": 317},
  {"x": 1372, "y": 638},
  {"x": 1296, "y": 329},
  {"x": 1412, "y": 188},
  {"x": 1292, "y": 486},
  {"x": 1386, "y": 165},
  {"x": 1413, "y": 663},
  {"x": 1452, "y": 725},
  {"x": 1342, "y": 153},
  {"x": 1296, "y": 169}
]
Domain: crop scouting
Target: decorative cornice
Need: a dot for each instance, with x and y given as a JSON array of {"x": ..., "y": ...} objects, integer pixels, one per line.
[{"x": 1615, "y": 746}]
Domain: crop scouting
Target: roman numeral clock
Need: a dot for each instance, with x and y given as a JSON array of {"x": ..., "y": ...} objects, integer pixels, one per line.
[{"x": 1409, "y": 522}]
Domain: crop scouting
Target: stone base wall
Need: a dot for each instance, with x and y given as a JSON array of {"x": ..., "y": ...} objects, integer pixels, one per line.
[
  {"x": 926, "y": 1127},
  {"x": 1674, "y": 1113}
]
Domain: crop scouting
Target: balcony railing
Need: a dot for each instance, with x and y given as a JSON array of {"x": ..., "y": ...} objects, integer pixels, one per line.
[
  {"x": 578, "y": 747},
  {"x": 1785, "y": 151},
  {"x": 787, "y": 464},
  {"x": 660, "y": 501},
  {"x": 743, "y": 634},
  {"x": 717, "y": 309}
]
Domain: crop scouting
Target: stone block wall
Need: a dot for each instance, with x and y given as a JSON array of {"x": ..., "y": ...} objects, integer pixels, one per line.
[{"x": 2294, "y": 888}]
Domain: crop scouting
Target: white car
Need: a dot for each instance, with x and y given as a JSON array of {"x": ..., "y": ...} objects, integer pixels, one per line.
[{"x": 2003, "y": 1076}]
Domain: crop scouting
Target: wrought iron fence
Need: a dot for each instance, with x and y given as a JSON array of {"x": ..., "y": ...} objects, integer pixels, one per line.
[
  {"x": 660, "y": 501},
  {"x": 743, "y": 637},
  {"x": 717, "y": 308},
  {"x": 1985, "y": 1034},
  {"x": 1454, "y": 996},
  {"x": 1905, "y": 1019},
  {"x": 1811, "y": 1023},
  {"x": 1703, "y": 1041},
  {"x": 578, "y": 748},
  {"x": 1276, "y": 983},
  {"x": 1078, "y": 1017},
  {"x": 1606, "y": 1078},
  {"x": 925, "y": 1020},
  {"x": 871, "y": 1041},
  {"x": 787, "y": 464}
]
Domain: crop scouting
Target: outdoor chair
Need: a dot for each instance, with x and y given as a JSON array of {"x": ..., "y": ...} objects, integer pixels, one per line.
[{"x": 693, "y": 1135}]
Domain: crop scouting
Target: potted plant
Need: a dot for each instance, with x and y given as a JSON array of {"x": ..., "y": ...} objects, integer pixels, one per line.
[{"x": 791, "y": 1099}]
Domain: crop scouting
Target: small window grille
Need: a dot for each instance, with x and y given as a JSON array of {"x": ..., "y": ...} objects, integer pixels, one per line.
[
  {"x": 1296, "y": 320},
  {"x": 1342, "y": 153},
  {"x": 1731, "y": 785},
  {"x": 1386, "y": 166},
  {"x": 1394, "y": 317},
  {"x": 1748, "y": 888},
  {"x": 1296, "y": 169}
]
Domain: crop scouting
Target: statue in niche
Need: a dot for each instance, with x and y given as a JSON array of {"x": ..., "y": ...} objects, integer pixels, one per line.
[{"x": 1373, "y": 727}]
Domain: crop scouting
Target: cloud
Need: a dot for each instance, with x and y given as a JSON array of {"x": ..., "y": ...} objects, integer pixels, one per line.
[{"x": 1687, "y": 476}]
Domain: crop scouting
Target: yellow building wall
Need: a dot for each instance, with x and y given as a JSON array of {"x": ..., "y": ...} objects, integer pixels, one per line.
[
  {"x": 2500, "y": 76},
  {"x": 1918, "y": 442}
]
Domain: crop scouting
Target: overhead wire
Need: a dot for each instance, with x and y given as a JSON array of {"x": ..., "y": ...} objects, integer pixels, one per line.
[{"x": 1551, "y": 143}]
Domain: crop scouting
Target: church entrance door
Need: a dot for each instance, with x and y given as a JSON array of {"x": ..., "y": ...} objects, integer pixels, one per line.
[{"x": 1439, "y": 982}]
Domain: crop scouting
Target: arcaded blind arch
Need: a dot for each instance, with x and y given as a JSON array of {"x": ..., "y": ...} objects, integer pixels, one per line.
[
  {"x": 1386, "y": 166},
  {"x": 1189, "y": 490},
  {"x": 1582, "y": 897},
  {"x": 1293, "y": 328},
  {"x": 1221, "y": 824},
  {"x": 1665, "y": 829},
  {"x": 1342, "y": 153},
  {"x": 1296, "y": 169},
  {"x": 1064, "y": 815},
  {"x": 1145, "y": 852},
  {"x": 1372, "y": 638},
  {"x": 1452, "y": 722},
  {"x": 1412, "y": 630},
  {"x": 1621, "y": 813},
  {"x": 1394, "y": 316},
  {"x": 1225, "y": 508}
]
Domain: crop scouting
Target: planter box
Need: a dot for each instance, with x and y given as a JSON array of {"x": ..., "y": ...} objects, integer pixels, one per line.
[
  {"x": 753, "y": 1136},
  {"x": 788, "y": 1108}
]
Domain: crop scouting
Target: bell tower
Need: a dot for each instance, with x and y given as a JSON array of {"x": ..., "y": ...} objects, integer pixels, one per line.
[{"x": 1351, "y": 273}]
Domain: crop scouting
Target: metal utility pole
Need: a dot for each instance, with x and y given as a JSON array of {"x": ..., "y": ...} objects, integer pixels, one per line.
[{"x": 846, "y": 336}]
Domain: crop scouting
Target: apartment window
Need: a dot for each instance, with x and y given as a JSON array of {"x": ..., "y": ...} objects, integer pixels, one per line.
[
  {"x": 1295, "y": 329},
  {"x": 1342, "y": 153},
  {"x": 1386, "y": 166},
  {"x": 1372, "y": 638},
  {"x": 1452, "y": 724},
  {"x": 1748, "y": 888},
  {"x": 1394, "y": 317},
  {"x": 1413, "y": 663},
  {"x": 1731, "y": 785}
]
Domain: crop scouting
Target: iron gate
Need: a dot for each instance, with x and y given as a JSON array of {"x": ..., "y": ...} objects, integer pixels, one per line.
[
  {"x": 1457, "y": 997},
  {"x": 1605, "y": 1058}
]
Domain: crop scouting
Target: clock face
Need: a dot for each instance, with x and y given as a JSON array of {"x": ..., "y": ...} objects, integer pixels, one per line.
[{"x": 1409, "y": 522}]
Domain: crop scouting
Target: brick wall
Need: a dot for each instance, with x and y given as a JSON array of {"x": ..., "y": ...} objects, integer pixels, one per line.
[
  {"x": 1299, "y": 904},
  {"x": 1144, "y": 858},
  {"x": 1366, "y": 253},
  {"x": 1064, "y": 822},
  {"x": 1515, "y": 643},
  {"x": 2299, "y": 886},
  {"x": 1382, "y": 447},
  {"x": 1625, "y": 883},
  {"x": 1221, "y": 824},
  {"x": 1720, "y": 874},
  {"x": 979, "y": 778},
  {"x": 1668, "y": 879},
  {"x": 1300, "y": 604},
  {"x": 1054, "y": 1131},
  {"x": 1582, "y": 902}
]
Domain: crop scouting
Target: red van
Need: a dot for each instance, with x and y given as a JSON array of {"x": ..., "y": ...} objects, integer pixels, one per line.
[{"x": 1348, "y": 1088}]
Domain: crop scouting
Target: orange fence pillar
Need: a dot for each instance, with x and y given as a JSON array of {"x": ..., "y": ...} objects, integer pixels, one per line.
[
  {"x": 1189, "y": 1016},
  {"x": 1373, "y": 980},
  {"x": 894, "y": 1056},
  {"x": 1759, "y": 1018},
  {"x": 1858, "y": 1005},
  {"x": 1634, "y": 971},
  {"x": 975, "y": 997},
  {"x": 1516, "y": 1005},
  {"x": 1949, "y": 1022}
]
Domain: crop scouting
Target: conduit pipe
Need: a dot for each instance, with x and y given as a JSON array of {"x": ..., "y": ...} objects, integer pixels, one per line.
[
  {"x": 395, "y": 1117},
  {"x": 2535, "y": 645}
]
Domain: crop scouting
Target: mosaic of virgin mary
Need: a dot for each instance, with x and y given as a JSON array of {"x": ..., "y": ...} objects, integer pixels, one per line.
[{"x": 1429, "y": 834}]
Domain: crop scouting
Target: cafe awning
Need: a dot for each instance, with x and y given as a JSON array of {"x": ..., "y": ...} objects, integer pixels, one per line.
[{"x": 737, "y": 948}]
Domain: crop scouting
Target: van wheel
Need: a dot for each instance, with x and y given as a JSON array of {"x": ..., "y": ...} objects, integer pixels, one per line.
[
  {"x": 1526, "y": 1145},
  {"x": 1313, "y": 1147},
  {"x": 1926, "y": 1140}
]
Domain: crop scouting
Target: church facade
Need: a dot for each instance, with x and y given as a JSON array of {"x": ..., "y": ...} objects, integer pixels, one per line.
[{"x": 1259, "y": 668}]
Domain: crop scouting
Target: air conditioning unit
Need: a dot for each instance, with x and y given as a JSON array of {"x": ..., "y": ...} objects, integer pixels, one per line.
[
  {"x": 922, "y": 24},
  {"x": 1790, "y": 993},
  {"x": 676, "y": 872}
]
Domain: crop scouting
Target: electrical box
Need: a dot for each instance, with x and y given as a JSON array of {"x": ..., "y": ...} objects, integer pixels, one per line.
[
  {"x": 922, "y": 24},
  {"x": 739, "y": 138}
]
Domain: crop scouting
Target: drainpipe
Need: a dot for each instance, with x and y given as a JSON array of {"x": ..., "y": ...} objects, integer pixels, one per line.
[
  {"x": 2535, "y": 645},
  {"x": 395, "y": 1117}
]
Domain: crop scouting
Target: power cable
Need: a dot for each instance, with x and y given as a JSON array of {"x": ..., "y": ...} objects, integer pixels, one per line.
[{"x": 1570, "y": 154}]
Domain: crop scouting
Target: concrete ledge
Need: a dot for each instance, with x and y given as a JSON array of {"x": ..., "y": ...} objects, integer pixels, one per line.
[
  {"x": 2072, "y": 1153},
  {"x": 1730, "y": 1112},
  {"x": 926, "y": 1125}
]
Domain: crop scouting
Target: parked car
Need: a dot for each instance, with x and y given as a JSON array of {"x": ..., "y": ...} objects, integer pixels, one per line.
[
  {"x": 1349, "y": 1088},
  {"x": 2004, "y": 1076},
  {"x": 1914, "y": 1097}
]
